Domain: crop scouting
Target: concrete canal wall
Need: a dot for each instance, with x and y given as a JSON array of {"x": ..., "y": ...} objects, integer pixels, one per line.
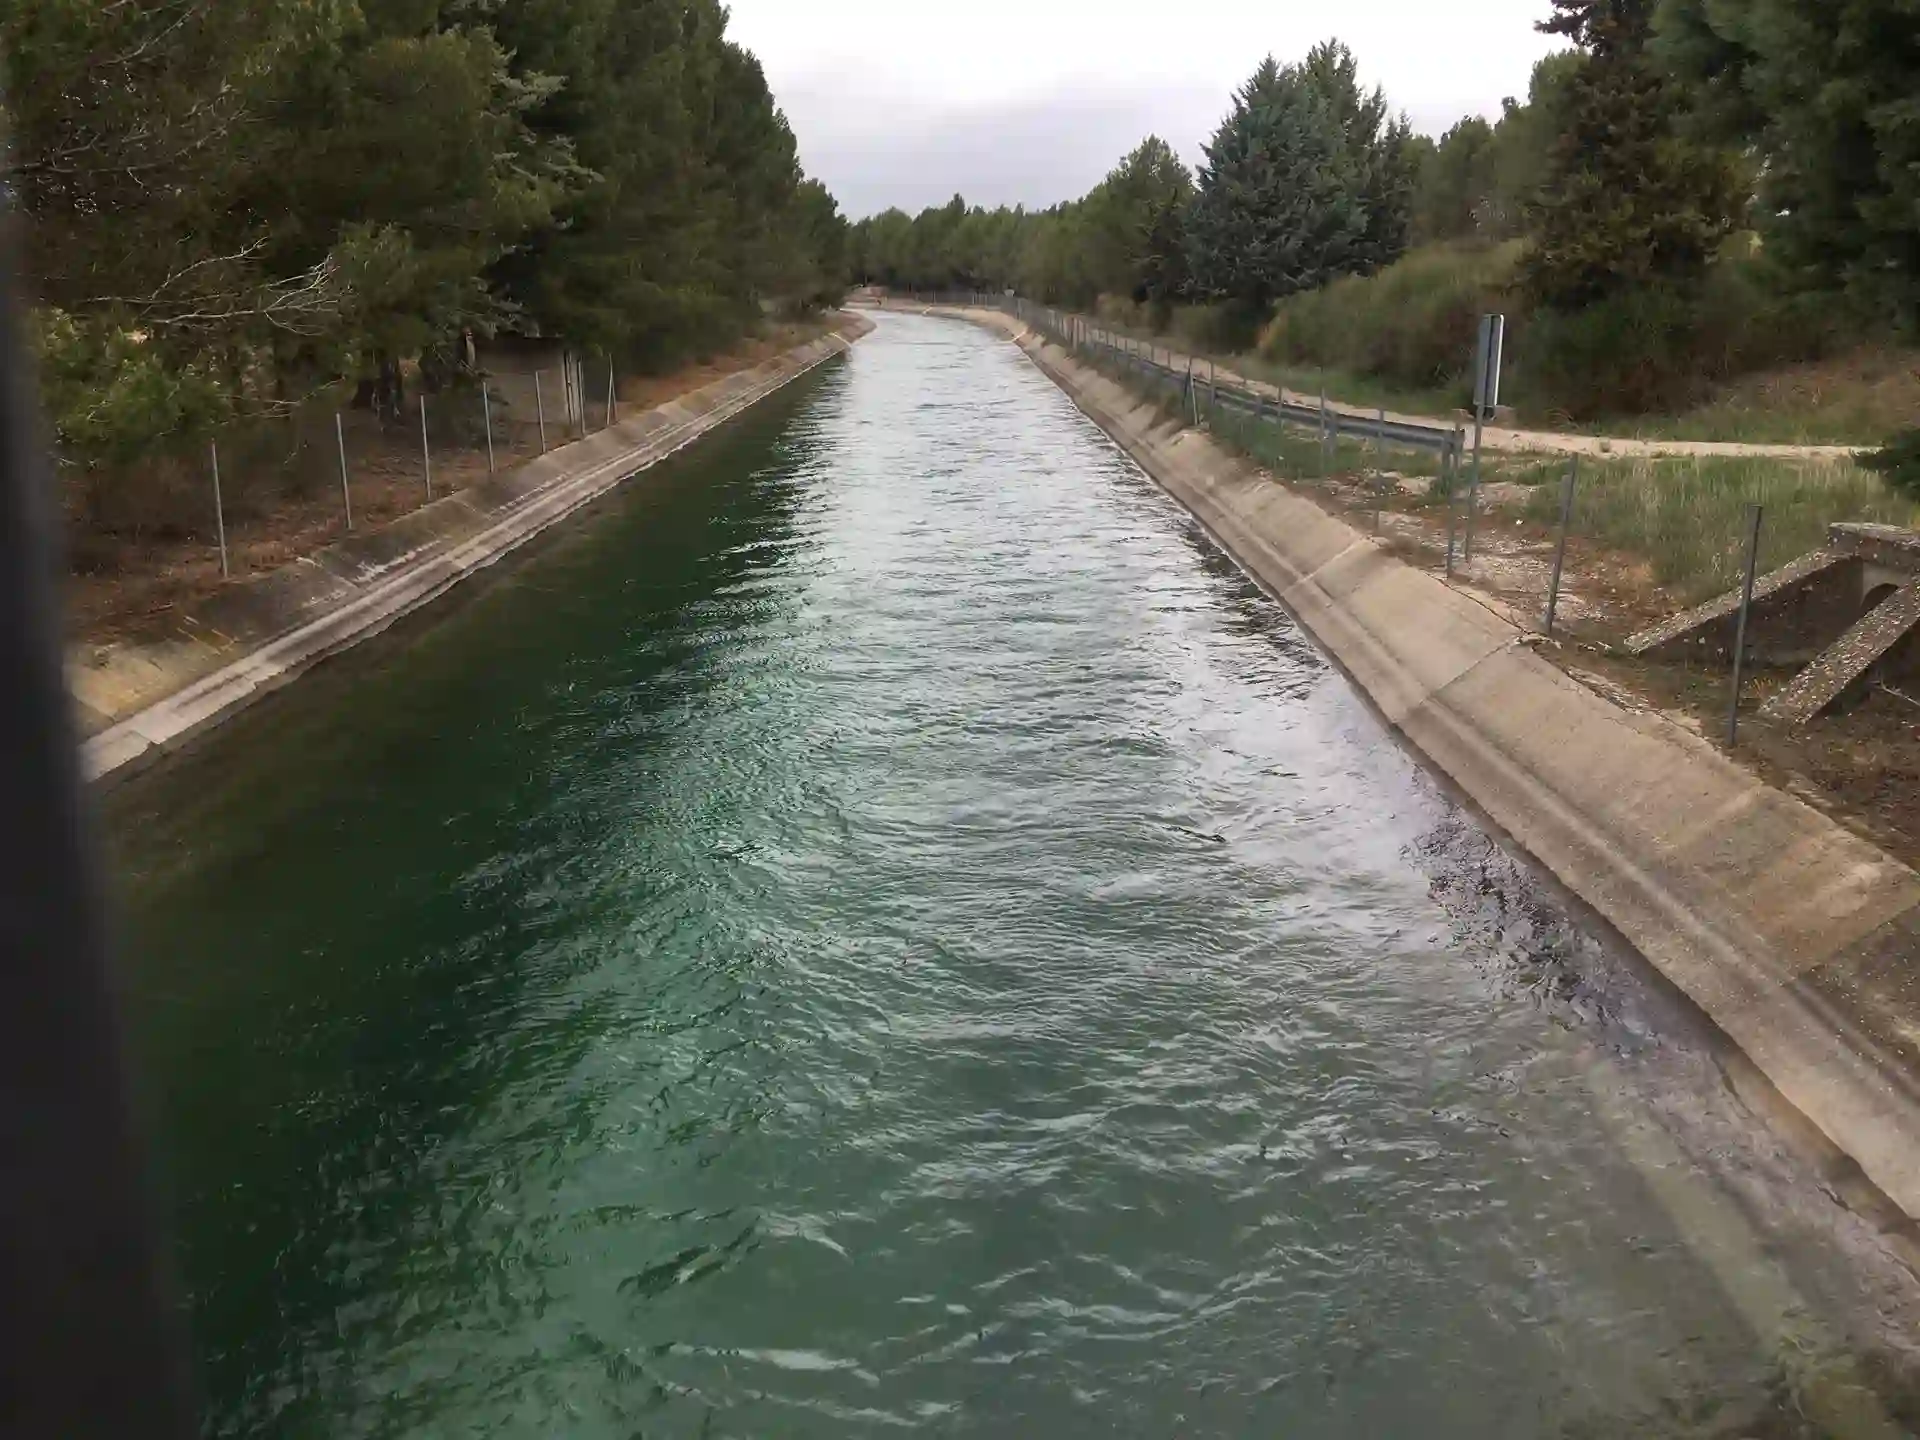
[
  {"x": 1798, "y": 939},
  {"x": 135, "y": 702}
]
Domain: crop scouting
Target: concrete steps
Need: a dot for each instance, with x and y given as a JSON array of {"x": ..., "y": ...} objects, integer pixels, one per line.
[
  {"x": 1850, "y": 657},
  {"x": 1693, "y": 624}
]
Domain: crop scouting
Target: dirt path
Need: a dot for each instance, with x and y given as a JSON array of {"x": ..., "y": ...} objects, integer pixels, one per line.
[
  {"x": 1551, "y": 442},
  {"x": 1501, "y": 438}
]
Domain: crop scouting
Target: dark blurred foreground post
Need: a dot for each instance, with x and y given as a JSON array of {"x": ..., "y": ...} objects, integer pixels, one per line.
[{"x": 87, "y": 1334}]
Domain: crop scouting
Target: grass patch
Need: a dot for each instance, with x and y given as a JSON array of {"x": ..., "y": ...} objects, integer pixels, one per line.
[
  {"x": 1685, "y": 517},
  {"x": 1860, "y": 398}
]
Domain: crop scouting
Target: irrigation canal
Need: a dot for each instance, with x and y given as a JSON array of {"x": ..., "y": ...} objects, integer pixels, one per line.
[{"x": 885, "y": 930}]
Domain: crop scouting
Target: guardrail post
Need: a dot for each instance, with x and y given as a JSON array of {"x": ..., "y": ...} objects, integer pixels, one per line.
[
  {"x": 540, "y": 406},
  {"x": 1560, "y": 545},
  {"x": 1740, "y": 632}
]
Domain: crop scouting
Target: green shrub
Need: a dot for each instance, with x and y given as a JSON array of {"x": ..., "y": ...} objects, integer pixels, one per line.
[
  {"x": 1651, "y": 349},
  {"x": 1661, "y": 349},
  {"x": 1413, "y": 324},
  {"x": 1222, "y": 328},
  {"x": 1632, "y": 353},
  {"x": 1898, "y": 463}
]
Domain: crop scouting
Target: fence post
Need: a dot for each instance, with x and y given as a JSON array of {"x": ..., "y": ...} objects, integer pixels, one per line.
[
  {"x": 1473, "y": 483},
  {"x": 1380, "y": 475},
  {"x": 1740, "y": 633},
  {"x": 426, "y": 451},
  {"x": 219, "y": 511},
  {"x": 540, "y": 406},
  {"x": 1325, "y": 463},
  {"x": 1213, "y": 391},
  {"x": 346, "y": 495},
  {"x": 1449, "y": 478},
  {"x": 613, "y": 396},
  {"x": 1560, "y": 545},
  {"x": 486, "y": 412}
]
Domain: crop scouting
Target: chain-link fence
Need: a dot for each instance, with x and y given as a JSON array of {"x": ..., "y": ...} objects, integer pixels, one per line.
[{"x": 146, "y": 531}]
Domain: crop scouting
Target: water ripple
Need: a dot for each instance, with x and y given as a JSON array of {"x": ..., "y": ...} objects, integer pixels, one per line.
[{"x": 886, "y": 931}]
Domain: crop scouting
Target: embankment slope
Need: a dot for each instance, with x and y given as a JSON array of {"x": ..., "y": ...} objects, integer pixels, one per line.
[
  {"x": 1795, "y": 937},
  {"x": 137, "y": 701}
]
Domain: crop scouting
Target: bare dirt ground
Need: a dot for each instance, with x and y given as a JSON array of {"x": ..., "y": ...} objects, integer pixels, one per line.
[
  {"x": 1862, "y": 767},
  {"x": 121, "y": 584}
]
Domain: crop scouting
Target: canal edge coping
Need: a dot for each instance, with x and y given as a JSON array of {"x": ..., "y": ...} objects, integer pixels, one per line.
[{"x": 254, "y": 639}]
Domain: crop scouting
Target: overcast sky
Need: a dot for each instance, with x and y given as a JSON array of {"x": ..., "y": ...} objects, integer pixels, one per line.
[{"x": 905, "y": 102}]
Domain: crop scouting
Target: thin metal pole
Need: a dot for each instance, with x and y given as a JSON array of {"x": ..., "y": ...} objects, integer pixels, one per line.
[
  {"x": 1379, "y": 478},
  {"x": 1450, "y": 477},
  {"x": 1740, "y": 632},
  {"x": 486, "y": 410},
  {"x": 1560, "y": 545},
  {"x": 426, "y": 451},
  {"x": 540, "y": 405},
  {"x": 346, "y": 495},
  {"x": 219, "y": 511},
  {"x": 1473, "y": 484},
  {"x": 1213, "y": 391},
  {"x": 613, "y": 397},
  {"x": 1325, "y": 461}
]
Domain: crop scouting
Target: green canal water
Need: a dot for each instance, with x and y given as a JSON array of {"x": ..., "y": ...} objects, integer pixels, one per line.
[{"x": 885, "y": 930}]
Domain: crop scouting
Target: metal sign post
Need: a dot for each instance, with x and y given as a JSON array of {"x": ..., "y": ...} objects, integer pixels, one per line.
[
  {"x": 1486, "y": 399},
  {"x": 1560, "y": 546}
]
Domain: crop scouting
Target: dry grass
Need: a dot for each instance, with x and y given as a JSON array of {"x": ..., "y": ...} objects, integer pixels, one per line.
[
  {"x": 1858, "y": 398},
  {"x": 1686, "y": 517},
  {"x": 1679, "y": 521}
]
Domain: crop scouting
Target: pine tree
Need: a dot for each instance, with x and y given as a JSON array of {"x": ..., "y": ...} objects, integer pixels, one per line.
[
  {"x": 1628, "y": 199},
  {"x": 1133, "y": 221},
  {"x": 1280, "y": 205},
  {"x": 1825, "y": 94},
  {"x": 1309, "y": 178}
]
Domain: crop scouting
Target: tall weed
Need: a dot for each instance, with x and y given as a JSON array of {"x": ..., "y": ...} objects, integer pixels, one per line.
[{"x": 1686, "y": 517}]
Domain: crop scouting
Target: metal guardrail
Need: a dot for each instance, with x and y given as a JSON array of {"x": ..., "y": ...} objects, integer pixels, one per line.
[{"x": 1331, "y": 423}]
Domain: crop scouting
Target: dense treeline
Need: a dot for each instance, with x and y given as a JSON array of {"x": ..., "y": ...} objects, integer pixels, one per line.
[
  {"x": 1691, "y": 189},
  {"x": 1310, "y": 176},
  {"x": 229, "y": 205}
]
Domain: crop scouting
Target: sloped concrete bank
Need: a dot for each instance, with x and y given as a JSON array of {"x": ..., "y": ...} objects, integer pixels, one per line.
[
  {"x": 1799, "y": 940},
  {"x": 137, "y": 702}
]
